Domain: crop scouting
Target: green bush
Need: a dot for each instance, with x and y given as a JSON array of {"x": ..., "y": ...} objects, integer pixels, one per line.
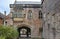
[
  {"x": 1, "y": 37},
  {"x": 7, "y": 32}
]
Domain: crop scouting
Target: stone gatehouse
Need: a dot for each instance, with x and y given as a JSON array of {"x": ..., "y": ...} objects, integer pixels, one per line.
[{"x": 27, "y": 16}]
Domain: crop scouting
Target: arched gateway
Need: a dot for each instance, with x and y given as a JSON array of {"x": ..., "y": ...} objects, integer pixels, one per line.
[{"x": 24, "y": 31}]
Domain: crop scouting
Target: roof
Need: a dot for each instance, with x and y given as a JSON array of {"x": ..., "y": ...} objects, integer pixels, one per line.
[
  {"x": 27, "y": 2},
  {"x": 1, "y": 15}
]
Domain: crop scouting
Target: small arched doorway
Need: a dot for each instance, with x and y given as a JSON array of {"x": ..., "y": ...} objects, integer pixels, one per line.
[{"x": 24, "y": 31}]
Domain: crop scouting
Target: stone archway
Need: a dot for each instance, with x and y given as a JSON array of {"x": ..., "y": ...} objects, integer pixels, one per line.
[{"x": 24, "y": 31}]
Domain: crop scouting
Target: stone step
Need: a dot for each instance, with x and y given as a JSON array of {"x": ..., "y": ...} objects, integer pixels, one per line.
[
  {"x": 29, "y": 38},
  {"x": 24, "y": 38}
]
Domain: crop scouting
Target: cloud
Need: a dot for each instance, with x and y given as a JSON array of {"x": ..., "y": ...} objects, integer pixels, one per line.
[{"x": 4, "y": 5}]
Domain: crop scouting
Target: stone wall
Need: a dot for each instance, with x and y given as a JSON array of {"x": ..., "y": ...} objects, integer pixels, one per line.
[{"x": 51, "y": 19}]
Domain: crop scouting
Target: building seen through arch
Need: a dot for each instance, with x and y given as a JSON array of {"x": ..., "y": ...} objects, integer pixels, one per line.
[{"x": 24, "y": 31}]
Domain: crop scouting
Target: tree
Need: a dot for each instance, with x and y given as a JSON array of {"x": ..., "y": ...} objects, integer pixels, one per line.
[{"x": 7, "y": 32}]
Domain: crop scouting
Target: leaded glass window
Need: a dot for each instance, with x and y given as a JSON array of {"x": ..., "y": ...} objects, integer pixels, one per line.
[
  {"x": 14, "y": 15},
  {"x": 40, "y": 14},
  {"x": 29, "y": 14},
  {"x": 18, "y": 15}
]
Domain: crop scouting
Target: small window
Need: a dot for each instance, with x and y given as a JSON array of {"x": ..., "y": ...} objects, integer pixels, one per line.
[
  {"x": 6, "y": 22},
  {"x": 40, "y": 14}
]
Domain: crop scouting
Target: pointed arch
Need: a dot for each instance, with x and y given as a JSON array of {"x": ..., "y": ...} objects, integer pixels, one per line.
[{"x": 29, "y": 14}]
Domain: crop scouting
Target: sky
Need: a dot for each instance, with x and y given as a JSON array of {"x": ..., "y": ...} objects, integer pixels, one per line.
[{"x": 4, "y": 5}]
